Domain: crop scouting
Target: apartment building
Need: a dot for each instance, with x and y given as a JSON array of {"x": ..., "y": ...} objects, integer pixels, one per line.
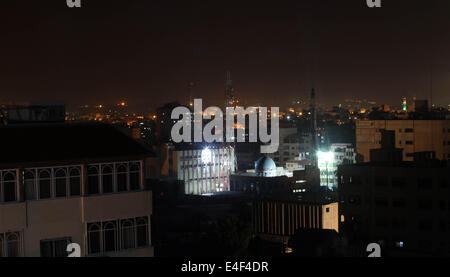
[
  {"x": 410, "y": 135},
  {"x": 404, "y": 206},
  {"x": 71, "y": 183}
]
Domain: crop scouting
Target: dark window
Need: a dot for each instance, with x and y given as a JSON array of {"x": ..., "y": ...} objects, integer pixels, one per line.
[
  {"x": 425, "y": 205},
  {"x": 442, "y": 205},
  {"x": 44, "y": 184},
  {"x": 409, "y": 142},
  {"x": 75, "y": 182},
  {"x": 55, "y": 247},
  {"x": 121, "y": 178},
  {"x": 354, "y": 200},
  {"x": 381, "y": 202},
  {"x": 381, "y": 181},
  {"x": 398, "y": 223},
  {"x": 109, "y": 236},
  {"x": 398, "y": 182},
  {"x": 424, "y": 183},
  {"x": 13, "y": 244},
  {"x": 381, "y": 222},
  {"x": 107, "y": 179},
  {"x": 93, "y": 238},
  {"x": 135, "y": 176},
  {"x": 9, "y": 186},
  {"x": 93, "y": 180},
  {"x": 142, "y": 231},
  {"x": 398, "y": 203},
  {"x": 409, "y": 130},
  {"x": 355, "y": 180},
  {"x": 128, "y": 233},
  {"x": 425, "y": 225},
  {"x": 442, "y": 226},
  {"x": 60, "y": 183},
  {"x": 29, "y": 185}
]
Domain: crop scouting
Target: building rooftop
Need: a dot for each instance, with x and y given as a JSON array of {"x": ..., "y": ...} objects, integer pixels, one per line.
[
  {"x": 408, "y": 164},
  {"x": 45, "y": 143}
]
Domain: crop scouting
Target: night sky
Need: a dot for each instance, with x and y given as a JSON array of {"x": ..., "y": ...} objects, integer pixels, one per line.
[{"x": 147, "y": 51}]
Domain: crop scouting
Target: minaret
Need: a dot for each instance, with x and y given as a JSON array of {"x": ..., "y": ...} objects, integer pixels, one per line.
[
  {"x": 190, "y": 89},
  {"x": 229, "y": 96}
]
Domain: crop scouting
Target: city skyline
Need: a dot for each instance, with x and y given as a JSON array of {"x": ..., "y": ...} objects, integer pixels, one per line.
[{"x": 148, "y": 53}]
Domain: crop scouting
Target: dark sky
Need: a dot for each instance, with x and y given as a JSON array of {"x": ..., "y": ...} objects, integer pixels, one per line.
[{"x": 146, "y": 52}]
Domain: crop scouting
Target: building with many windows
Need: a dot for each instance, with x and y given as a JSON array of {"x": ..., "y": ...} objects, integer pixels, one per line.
[
  {"x": 411, "y": 135},
  {"x": 70, "y": 183},
  {"x": 204, "y": 168},
  {"x": 402, "y": 205},
  {"x": 291, "y": 145}
]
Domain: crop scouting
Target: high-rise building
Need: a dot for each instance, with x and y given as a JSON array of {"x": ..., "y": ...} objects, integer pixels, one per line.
[
  {"x": 410, "y": 135},
  {"x": 403, "y": 206}
]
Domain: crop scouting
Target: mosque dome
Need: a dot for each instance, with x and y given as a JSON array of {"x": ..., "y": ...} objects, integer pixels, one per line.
[{"x": 265, "y": 166}]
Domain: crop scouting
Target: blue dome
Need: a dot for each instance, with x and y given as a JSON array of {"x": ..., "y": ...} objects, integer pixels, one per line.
[{"x": 264, "y": 164}]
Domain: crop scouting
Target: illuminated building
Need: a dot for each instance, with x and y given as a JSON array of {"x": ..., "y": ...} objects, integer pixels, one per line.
[
  {"x": 327, "y": 167},
  {"x": 340, "y": 153},
  {"x": 284, "y": 218},
  {"x": 73, "y": 184},
  {"x": 204, "y": 168}
]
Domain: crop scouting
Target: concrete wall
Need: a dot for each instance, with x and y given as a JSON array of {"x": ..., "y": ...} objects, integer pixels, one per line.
[{"x": 67, "y": 217}]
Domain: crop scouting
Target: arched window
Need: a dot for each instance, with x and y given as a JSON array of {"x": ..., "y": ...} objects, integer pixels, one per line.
[
  {"x": 9, "y": 186},
  {"x": 142, "y": 231},
  {"x": 75, "y": 181},
  {"x": 93, "y": 238},
  {"x": 107, "y": 178},
  {"x": 13, "y": 245},
  {"x": 61, "y": 182},
  {"x": 128, "y": 233},
  {"x": 135, "y": 176},
  {"x": 29, "y": 185},
  {"x": 44, "y": 184},
  {"x": 122, "y": 177},
  {"x": 109, "y": 236},
  {"x": 93, "y": 180}
]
